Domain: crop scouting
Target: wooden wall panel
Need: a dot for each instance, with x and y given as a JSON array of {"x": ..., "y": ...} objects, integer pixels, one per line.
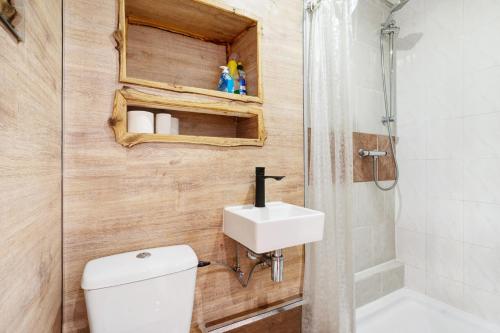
[
  {"x": 119, "y": 199},
  {"x": 30, "y": 170}
]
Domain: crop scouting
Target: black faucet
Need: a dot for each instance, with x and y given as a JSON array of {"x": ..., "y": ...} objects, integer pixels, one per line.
[{"x": 260, "y": 186}]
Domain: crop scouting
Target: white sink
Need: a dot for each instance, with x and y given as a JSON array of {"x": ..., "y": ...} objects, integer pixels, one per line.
[{"x": 277, "y": 226}]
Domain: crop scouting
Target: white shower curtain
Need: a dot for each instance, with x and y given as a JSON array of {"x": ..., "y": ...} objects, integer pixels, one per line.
[{"x": 328, "y": 281}]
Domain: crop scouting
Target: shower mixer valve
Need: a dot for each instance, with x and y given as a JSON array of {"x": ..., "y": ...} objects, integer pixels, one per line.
[
  {"x": 387, "y": 120},
  {"x": 372, "y": 153}
]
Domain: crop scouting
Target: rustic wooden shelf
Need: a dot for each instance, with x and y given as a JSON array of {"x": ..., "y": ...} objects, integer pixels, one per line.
[
  {"x": 179, "y": 45},
  {"x": 214, "y": 123}
]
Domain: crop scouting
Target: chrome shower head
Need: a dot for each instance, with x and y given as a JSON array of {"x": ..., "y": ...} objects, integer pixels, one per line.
[{"x": 396, "y": 6}]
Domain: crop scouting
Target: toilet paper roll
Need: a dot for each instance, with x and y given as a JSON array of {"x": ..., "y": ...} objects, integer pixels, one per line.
[
  {"x": 174, "y": 126},
  {"x": 140, "y": 122},
  {"x": 163, "y": 123}
]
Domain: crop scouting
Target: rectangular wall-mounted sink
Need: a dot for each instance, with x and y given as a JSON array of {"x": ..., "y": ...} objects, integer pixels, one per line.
[{"x": 277, "y": 226}]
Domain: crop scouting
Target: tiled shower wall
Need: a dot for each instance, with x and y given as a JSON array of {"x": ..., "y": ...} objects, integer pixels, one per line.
[
  {"x": 374, "y": 218},
  {"x": 373, "y": 233},
  {"x": 448, "y": 223}
]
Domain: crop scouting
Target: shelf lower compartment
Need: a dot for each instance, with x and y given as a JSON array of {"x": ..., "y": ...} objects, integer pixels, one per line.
[{"x": 217, "y": 124}]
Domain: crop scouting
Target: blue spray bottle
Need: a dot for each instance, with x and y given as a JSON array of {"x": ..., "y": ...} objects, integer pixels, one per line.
[
  {"x": 226, "y": 82},
  {"x": 242, "y": 80}
]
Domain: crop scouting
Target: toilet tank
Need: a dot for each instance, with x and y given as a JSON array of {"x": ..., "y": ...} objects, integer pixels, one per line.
[{"x": 147, "y": 291}]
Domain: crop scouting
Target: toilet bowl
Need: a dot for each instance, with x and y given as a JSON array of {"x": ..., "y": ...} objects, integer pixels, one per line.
[{"x": 147, "y": 291}]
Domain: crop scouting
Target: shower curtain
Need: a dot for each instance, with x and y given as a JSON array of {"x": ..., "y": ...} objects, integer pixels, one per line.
[{"x": 328, "y": 280}]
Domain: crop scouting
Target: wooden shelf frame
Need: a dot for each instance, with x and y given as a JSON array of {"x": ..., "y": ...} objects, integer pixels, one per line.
[
  {"x": 127, "y": 97},
  {"x": 121, "y": 38}
]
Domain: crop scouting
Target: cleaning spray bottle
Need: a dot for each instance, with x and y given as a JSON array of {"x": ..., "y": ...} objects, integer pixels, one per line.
[
  {"x": 226, "y": 82},
  {"x": 242, "y": 87}
]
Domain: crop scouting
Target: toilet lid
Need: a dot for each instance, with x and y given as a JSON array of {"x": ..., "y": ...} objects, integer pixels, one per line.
[{"x": 137, "y": 266}]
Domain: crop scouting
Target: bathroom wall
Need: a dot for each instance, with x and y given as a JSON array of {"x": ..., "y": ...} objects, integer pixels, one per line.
[
  {"x": 449, "y": 121},
  {"x": 30, "y": 170},
  {"x": 373, "y": 233},
  {"x": 118, "y": 199},
  {"x": 377, "y": 274}
]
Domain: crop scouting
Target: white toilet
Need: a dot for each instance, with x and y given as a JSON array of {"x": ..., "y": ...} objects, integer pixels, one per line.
[{"x": 147, "y": 291}]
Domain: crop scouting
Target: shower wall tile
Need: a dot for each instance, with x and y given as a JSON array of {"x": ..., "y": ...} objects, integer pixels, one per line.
[
  {"x": 449, "y": 151},
  {"x": 410, "y": 248},
  {"x": 378, "y": 281},
  {"x": 393, "y": 279},
  {"x": 482, "y": 180},
  {"x": 415, "y": 278},
  {"x": 481, "y": 224},
  {"x": 445, "y": 218},
  {"x": 374, "y": 210},
  {"x": 445, "y": 179},
  {"x": 387, "y": 170},
  {"x": 411, "y": 201},
  {"x": 383, "y": 242},
  {"x": 482, "y": 267},
  {"x": 369, "y": 108},
  {"x": 444, "y": 258},
  {"x": 366, "y": 22},
  {"x": 445, "y": 290},
  {"x": 362, "y": 244},
  {"x": 366, "y": 66},
  {"x": 482, "y": 303},
  {"x": 481, "y": 91},
  {"x": 444, "y": 139},
  {"x": 368, "y": 205},
  {"x": 412, "y": 146},
  {"x": 368, "y": 94},
  {"x": 482, "y": 136},
  {"x": 368, "y": 290},
  {"x": 374, "y": 229}
]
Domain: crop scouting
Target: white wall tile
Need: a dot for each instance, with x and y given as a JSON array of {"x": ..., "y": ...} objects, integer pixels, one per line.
[
  {"x": 412, "y": 139},
  {"x": 445, "y": 218},
  {"x": 445, "y": 179},
  {"x": 410, "y": 248},
  {"x": 445, "y": 290},
  {"x": 482, "y": 267},
  {"x": 482, "y": 136},
  {"x": 480, "y": 91},
  {"x": 482, "y": 180},
  {"x": 383, "y": 243},
  {"x": 444, "y": 138},
  {"x": 362, "y": 243},
  {"x": 373, "y": 234},
  {"x": 411, "y": 198},
  {"x": 369, "y": 109},
  {"x": 368, "y": 205},
  {"x": 415, "y": 278},
  {"x": 481, "y": 303},
  {"x": 482, "y": 224},
  {"x": 449, "y": 82},
  {"x": 366, "y": 21},
  {"x": 444, "y": 258}
]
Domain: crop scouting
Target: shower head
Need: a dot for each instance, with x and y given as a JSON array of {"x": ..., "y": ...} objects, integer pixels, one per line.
[
  {"x": 395, "y": 6},
  {"x": 398, "y": 6}
]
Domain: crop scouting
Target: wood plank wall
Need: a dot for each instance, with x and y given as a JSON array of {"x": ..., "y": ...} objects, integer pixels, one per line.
[
  {"x": 118, "y": 199},
  {"x": 30, "y": 170}
]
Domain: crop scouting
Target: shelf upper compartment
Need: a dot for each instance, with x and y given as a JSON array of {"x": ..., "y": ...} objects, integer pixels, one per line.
[
  {"x": 179, "y": 45},
  {"x": 217, "y": 124}
]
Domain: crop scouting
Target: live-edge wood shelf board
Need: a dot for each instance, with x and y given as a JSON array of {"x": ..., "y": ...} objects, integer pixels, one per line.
[
  {"x": 229, "y": 125},
  {"x": 179, "y": 45}
]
